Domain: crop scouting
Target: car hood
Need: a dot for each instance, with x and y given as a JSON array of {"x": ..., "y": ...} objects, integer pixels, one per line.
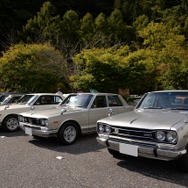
[
  {"x": 13, "y": 106},
  {"x": 51, "y": 112},
  {"x": 147, "y": 119}
]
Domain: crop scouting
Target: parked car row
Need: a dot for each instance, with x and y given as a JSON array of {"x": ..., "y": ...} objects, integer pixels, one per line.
[
  {"x": 157, "y": 127},
  {"x": 76, "y": 115},
  {"x": 28, "y": 102}
]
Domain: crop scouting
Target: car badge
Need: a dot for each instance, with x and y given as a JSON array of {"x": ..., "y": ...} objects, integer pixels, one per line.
[{"x": 116, "y": 130}]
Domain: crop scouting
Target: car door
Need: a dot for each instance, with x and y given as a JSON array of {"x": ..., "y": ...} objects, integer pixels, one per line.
[
  {"x": 97, "y": 111},
  {"x": 116, "y": 105}
]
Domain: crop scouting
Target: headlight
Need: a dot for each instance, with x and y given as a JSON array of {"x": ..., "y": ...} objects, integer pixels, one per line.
[
  {"x": 160, "y": 135},
  {"x": 101, "y": 128},
  {"x": 21, "y": 118},
  {"x": 171, "y": 136},
  {"x": 166, "y": 136},
  {"x": 108, "y": 129},
  {"x": 104, "y": 128},
  {"x": 44, "y": 122}
]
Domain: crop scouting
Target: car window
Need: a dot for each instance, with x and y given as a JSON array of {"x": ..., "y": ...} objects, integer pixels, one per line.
[
  {"x": 78, "y": 100},
  {"x": 14, "y": 99},
  {"x": 26, "y": 99},
  {"x": 99, "y": 102},
  {"x": 46, "y": 100},
  {"x": 172, "y": 100},
  {"x": 114, "y": 101}
]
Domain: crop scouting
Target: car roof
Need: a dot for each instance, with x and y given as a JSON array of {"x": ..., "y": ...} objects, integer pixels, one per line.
[
  {"x": 162, "y": 91},
  {"x": 42, "y": 94},
  {"x": 94, "y": 93}
]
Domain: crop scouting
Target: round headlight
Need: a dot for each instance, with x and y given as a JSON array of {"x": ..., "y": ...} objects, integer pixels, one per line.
[
  {"x": 21, "y": 118},
  {"x": 108, "y": 129},
  {"x": 44, "y": 122},
  {"x": 101, "y": 128},
  {"x": 160, "y": 135},
  {"x": 171, "y": 136}
]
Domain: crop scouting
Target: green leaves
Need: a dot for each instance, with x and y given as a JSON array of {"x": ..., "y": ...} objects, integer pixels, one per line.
[{"x": 34, "y": 68}]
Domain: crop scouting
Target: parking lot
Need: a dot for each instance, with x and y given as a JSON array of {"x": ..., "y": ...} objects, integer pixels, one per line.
[{"x": 27, "y": 162}]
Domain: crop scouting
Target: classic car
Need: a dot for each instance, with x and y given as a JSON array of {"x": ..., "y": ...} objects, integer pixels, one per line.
[
  {"x": 77, "y": 115},
  {"x": 157, "y": 128},
  {"x": 28, "y": 102},
  {"x": 10, "y": 98}
]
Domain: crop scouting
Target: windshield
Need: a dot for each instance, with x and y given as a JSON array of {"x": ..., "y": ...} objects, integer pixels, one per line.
[
  {"x": 78, "y": 100},
  {"x": 165, "y": 100},
  {"x": 26, "y": 99},
  {"x": 2, "y": 98}
]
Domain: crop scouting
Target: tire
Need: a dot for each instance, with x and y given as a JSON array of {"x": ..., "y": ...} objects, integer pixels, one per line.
[
  {"x": 10, "y": 123},
  {"x": 182, "y": 163},
  {"x": 68, "y": 133}
]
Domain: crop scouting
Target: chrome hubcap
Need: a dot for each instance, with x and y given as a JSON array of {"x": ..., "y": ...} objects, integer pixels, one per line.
[
  {"x": 12, "y": 124},
  {"x": 70, "y": 134}
]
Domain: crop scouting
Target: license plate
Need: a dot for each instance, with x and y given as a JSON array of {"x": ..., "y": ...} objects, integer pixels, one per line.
[
  {"x": 128, "y": 149},
  {"x": 28, "y": 131}
]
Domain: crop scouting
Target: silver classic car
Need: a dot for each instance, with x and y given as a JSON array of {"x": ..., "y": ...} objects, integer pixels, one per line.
[
  {"x": 157, "y": 128},
  {"x": 77, "y": 115},
  {"x": 28, "y": 102}
]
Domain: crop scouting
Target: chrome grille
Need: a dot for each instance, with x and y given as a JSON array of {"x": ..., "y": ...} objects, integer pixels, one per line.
[
  {"x": 32, "y": 121},
  {"x": 144, "y": 134}
]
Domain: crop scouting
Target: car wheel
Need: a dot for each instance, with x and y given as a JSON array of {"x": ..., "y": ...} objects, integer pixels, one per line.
[
  {"x": 68, "y": 133},
  {"x": 182, "y": 163},
  {"x": 10, "y": 123}
]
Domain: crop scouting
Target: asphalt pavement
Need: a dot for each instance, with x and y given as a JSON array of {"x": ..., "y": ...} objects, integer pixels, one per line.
[{"x": 26, "y": 162}]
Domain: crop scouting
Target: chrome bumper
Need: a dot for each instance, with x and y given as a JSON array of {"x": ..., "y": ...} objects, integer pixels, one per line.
[
  {"x": 38, "y": 131},
  {"x": 147, "y": 151}
]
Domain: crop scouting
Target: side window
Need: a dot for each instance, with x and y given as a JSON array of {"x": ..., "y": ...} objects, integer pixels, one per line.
[
  {"x": 99, "y": 102},
  {"x": 14, "y": 99},
  {"x": 58, "y": 100},
  {"x": 46, "y": 100},
  {"x": 114, "y": 101}
]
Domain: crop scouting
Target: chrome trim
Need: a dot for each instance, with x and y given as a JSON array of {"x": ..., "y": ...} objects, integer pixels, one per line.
[{"x": 149, "y": 151}]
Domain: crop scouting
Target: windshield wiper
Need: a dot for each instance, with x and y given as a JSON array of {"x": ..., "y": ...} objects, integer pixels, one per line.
[
  {"x": 179, "y": 108},
  {"x": 152, "y": 107}
]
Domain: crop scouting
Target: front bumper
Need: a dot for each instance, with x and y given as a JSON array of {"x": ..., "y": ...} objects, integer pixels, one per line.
[
  {"x": 38, "y": 131},
  {"x": 148, "y": 151}
]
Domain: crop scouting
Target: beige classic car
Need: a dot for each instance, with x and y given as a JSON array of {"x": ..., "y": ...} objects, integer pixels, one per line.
[
  {"x": 28, "y": 102},
  {"x": 77, "y": 115},
  {"x": 157, "y": 128}
]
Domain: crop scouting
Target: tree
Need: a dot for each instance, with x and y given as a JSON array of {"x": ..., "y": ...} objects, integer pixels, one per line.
[
  {"x": 107, "y": 70},
  {"x": 45, "y": 27},
  {"x": 87, "y": 30},
  {"x": 34, "y": 68}
]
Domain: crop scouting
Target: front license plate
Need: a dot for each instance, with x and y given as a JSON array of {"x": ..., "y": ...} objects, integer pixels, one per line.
[
  {"x": 128, "y": 149},
  {"x": 28, "y": 131}
]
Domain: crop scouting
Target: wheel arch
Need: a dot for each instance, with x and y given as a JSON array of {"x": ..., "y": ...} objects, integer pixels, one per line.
[
  {"x": 9, "y": 115},
  {"x": 71, "y": 121}
]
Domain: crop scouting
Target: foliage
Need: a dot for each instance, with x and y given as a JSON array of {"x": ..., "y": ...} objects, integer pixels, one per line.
[
  {"x": 34, "y": 68},
  {"x": 135, "y": 44}
]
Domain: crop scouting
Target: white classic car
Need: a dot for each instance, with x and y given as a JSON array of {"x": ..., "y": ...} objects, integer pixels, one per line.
[
  {"x": 28, "y": 102},
  {"x": 77, "y": 115},
  {"x": 157, "y": 128}
]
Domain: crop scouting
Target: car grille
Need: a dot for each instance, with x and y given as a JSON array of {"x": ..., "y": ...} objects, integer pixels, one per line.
[
  {"x": 32, "y": 121},
  {"x": 140, "y": 134}
]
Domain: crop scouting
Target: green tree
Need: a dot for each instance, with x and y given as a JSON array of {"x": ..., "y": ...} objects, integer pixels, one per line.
[
  {"x": 34, "y": 68},
  {"x": 45, "y": 27},
  {"x": 107, "y": 70},
  {"x": 87, "y": 30}
]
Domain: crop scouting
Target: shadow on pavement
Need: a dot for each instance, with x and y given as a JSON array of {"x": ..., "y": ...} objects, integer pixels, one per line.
[
  {"x": 84, "y": 144},
  {"x": 166, "y": 171}
]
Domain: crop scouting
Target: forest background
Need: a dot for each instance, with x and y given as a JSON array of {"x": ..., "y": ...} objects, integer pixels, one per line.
[{"x": 140, "y": 45}]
